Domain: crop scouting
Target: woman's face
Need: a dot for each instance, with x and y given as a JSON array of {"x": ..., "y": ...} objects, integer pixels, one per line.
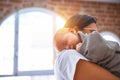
[{"x": 90, "y": 28}]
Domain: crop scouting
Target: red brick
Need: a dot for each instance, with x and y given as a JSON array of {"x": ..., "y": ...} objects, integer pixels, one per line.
[
  {"x": 1, "y": 9},
  {"x": 108, "y": 14},
  {"x": 16, "y": 1},
  {"x": 4, "y": 5},
  {"x": 27, "y": 4}
]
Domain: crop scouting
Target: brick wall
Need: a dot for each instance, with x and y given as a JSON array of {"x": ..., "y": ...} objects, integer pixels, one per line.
[{"x": 108, "y": 14}]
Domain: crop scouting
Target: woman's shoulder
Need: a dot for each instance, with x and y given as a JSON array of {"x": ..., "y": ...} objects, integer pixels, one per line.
[{"x": 65, "y": 64}]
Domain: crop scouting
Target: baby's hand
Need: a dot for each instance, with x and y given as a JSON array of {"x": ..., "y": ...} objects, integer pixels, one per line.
[{"x": 78, "y": 46}]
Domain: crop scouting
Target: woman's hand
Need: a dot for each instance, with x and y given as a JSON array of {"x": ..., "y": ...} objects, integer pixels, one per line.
[{"x": 78, "y": 46}]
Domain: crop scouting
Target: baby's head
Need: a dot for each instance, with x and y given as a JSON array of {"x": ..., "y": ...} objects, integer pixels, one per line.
[{"x": 66, "y": 38}]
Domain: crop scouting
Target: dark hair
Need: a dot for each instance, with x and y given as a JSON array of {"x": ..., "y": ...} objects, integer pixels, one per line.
[{"x": 81, "y": 21}]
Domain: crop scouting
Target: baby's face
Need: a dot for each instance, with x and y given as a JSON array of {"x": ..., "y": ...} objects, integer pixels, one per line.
[{"x": 71, "y": 40}]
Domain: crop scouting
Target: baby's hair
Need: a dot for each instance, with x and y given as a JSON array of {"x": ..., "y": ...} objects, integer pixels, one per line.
[{"x": 58, "y": 38}]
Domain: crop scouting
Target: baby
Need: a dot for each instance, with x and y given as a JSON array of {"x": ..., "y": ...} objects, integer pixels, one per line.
[
  {"x": 66, "y": 38},
  {"x": 93, "y": 46}
]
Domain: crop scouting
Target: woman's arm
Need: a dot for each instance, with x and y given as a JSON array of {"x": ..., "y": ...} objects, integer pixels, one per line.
[{"x": 86, "y": 70}]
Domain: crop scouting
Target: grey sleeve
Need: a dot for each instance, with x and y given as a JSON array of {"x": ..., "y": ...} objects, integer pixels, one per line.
[{"x": 95, "y": 48}]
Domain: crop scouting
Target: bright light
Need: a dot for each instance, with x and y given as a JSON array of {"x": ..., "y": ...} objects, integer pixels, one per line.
[
  {"x": 38, "y": 28},
  {"x": 59, "y": 22},
  {"x": 7, "y": 45},
  {"x": 108, "y": 37},
  {"x": 35, "y": 41}
]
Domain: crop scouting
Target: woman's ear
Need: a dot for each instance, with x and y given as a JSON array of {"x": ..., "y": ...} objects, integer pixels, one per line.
[
  {"x": 76, "y": 28},
  {"x": 72, "y": 30}
]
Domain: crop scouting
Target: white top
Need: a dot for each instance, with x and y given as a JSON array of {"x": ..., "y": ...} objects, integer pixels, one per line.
[{"x": 65, "y": 64}]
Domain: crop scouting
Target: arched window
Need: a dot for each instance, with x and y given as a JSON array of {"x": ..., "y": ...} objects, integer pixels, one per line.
[
  {"x": 110, "y": 36},
  {"x": 26, "y": 42},
  {"x": 7, "y": 35}
]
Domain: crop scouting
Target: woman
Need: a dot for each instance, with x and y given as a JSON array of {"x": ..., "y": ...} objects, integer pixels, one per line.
[{"x": 71, "y": 66}]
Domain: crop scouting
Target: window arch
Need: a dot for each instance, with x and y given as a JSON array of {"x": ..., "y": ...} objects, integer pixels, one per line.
[
  {"x": 7, "y": 45},
  {"x": 28, "y": 42},
  {"x": 110, "y": 36}
]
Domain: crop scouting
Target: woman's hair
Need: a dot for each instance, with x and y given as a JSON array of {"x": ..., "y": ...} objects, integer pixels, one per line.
[{"x": 81, "y": 21}]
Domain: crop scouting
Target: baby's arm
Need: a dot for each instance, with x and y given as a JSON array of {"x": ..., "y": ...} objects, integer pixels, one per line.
[{"x": 96, "y": 48}]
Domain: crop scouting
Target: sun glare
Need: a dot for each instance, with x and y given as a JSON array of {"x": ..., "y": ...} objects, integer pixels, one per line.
[{"x": 59, "y": 22}]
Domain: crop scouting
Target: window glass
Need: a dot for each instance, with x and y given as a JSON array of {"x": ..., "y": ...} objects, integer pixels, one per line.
[
  {"x": 7, "y": 46},
  {"x": 110, "y": 36},
  {"x": 59, "y": 22},
  {"x": 35, "y": 41},
  {"x": 28, "y": 34}
]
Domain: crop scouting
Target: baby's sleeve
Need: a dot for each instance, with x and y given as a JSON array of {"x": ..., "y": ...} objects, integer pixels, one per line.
[{"x": 95, "y": 48}]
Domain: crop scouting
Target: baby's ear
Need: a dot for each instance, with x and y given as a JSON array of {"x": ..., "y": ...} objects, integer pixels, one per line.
[{"x": 72, "y": 30}]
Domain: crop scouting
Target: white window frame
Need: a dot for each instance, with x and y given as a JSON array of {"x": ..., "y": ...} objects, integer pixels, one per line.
[{"x": 28, "y": 73}]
